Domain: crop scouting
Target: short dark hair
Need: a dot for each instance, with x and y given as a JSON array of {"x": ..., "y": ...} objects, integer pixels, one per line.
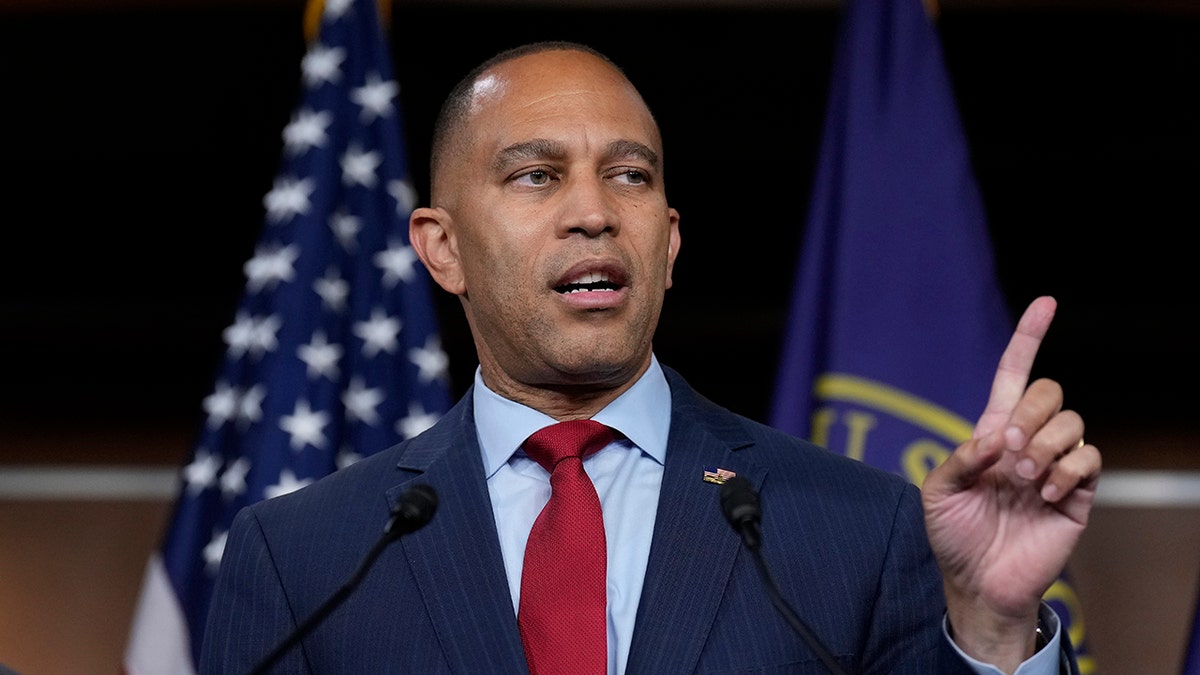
[{"x": 454, "y": 108}]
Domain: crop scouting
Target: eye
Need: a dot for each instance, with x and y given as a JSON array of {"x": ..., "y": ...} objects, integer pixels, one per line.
[
  {"x": 632, "y": 176},
  {"x": 533, "y": 177}
]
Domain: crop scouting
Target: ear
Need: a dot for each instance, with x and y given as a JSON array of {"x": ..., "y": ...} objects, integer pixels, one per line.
[
  {"x": 431, "y": 233},
  {"x": 672, "y": 243}
]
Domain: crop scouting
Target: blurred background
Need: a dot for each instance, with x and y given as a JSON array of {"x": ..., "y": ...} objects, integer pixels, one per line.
[{"x": 140, "y": 136}]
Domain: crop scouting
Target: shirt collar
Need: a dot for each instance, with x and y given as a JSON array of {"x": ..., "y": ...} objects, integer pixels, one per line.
[{"x": 642, "y": 414}]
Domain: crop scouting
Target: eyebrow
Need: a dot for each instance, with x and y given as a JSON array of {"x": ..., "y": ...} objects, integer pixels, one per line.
[
  {"x": 543, "y": 148},
  {"x": 537, "y": 148},
  {"x": 627, "y": 148}
]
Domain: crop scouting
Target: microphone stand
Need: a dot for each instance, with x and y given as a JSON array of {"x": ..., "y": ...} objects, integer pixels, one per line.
[
  {"x": 739, "y": 502},
  {"x": 788, "y": 613},
  {"x": 412, "y": 512}
]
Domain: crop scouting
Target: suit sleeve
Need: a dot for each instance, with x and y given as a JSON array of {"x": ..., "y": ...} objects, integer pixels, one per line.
[{"x": 905, "y": 626}]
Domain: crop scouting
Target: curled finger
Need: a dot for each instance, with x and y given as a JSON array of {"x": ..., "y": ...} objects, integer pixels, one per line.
[
  {"x": 1077, "y": 471},
  {"x": 1054, "y": 439}
]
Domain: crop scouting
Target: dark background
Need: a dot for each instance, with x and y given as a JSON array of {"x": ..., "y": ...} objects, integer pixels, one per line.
[{"x": 140, "y": 139}]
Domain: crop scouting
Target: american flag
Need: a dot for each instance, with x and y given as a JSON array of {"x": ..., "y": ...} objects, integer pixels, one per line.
[
  {"x": 713, "y": 474},
  {"x": 333, "y": 352}
]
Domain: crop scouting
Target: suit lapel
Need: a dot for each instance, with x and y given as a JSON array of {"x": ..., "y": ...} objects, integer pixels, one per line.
[
  {"x": 694, "y": 547},
  {"x": 459, "y": 571},
  {"x": 456, "y": 559}
]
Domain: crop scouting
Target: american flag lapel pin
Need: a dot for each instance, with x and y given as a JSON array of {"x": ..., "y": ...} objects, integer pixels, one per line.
[{"x": 717, "y": 475}]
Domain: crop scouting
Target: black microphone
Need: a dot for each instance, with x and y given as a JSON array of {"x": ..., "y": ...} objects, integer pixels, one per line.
[
  {"x": 739, "y": 503},
  {"x": 413, "y": 511}
]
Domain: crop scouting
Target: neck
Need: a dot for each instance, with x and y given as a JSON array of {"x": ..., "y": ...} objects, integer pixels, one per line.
[{"x": 568, "y": 398}]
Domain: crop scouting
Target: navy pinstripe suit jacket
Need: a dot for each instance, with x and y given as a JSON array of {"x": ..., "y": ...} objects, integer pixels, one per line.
[{"x": 845, "y": 542}]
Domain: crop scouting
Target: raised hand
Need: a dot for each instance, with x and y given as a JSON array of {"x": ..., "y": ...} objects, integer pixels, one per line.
[{"x": 1006, "y": 510}]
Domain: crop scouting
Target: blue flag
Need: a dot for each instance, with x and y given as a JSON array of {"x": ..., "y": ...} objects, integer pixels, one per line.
[
  {"x": 333, "y": 353},
  {"x": 1191, "y": 659},
  {"x": 897, "y": 320}
]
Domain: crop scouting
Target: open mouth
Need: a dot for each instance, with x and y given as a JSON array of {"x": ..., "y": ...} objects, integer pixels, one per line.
[{"x": 588, "y": 282}]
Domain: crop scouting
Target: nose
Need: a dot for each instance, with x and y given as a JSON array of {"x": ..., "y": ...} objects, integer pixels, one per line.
[{"x": 589, "y": 208}]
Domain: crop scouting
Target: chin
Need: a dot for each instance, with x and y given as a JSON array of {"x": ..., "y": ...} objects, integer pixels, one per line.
[{"x": 602, "y": 369}]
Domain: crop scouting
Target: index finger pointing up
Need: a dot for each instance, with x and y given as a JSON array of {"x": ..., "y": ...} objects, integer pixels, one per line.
[{"x": 1012, "y": 375}]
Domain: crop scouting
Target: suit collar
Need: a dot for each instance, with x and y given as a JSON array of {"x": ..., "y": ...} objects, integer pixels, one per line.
[
  {"x": 691, "y": 557},
  {"x": 694, "y": 547},
  {"x": 455, "y": 560}
]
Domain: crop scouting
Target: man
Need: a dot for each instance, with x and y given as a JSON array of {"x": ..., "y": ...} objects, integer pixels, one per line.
[{"x": 549, "y": 221}]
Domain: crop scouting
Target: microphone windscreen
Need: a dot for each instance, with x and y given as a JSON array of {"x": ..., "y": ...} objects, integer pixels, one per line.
[
  {"x": 415, "y": 508},
  {"x": 739, "y": 502}
]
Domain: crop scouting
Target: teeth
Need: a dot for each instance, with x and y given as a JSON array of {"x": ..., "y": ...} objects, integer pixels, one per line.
[
  {"x": 588, "y": 282},
  {"x": 590, "y": 278}
]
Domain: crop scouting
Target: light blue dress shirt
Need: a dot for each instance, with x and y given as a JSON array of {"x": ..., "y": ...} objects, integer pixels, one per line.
[{"x": 627, "y": 474}]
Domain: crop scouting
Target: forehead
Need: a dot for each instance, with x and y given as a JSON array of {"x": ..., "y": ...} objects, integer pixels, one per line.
[{"x": 553, "y": 93}]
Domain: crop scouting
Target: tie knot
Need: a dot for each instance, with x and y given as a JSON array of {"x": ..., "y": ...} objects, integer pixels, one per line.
[{"x": 573, "y": 438}]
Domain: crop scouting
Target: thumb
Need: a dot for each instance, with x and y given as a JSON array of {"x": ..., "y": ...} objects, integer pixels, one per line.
[{"x": 964, "y": 467}]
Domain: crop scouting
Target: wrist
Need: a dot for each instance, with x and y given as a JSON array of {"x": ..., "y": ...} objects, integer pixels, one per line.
[{"x": 1002, "y": 640}]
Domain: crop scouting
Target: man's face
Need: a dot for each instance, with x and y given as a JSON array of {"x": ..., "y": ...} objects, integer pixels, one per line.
[{"x": 558, "y": 221}]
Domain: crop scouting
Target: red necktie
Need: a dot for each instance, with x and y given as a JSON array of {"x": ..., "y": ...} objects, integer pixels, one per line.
[{"x": 563, "y": 598}]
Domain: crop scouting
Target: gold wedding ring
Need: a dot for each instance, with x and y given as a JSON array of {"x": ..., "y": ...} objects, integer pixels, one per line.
[{"x": 1069, "y": 450}]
